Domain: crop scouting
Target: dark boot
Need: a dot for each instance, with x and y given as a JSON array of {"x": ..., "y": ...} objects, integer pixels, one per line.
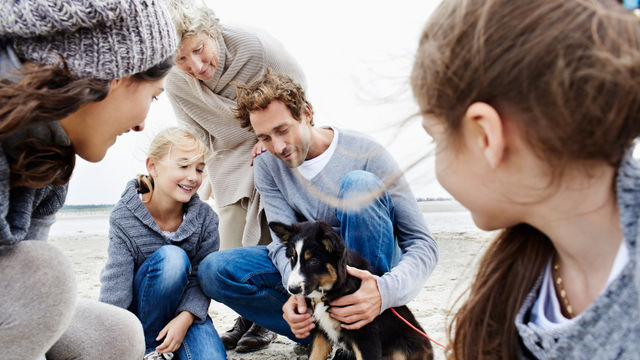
[
  {"x": 257, "y": 338},
  {"x": 231, "y": 337}
]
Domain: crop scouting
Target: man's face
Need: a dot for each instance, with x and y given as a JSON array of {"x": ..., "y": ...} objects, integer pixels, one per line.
[{"x": 285, "y": 137}]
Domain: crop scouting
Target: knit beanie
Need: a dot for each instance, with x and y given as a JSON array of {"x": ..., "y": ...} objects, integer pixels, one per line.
[{"x": 102, "y": 39}]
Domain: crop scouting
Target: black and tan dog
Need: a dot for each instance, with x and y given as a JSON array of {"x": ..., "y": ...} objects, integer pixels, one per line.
[{"x": 318, "y": 261}]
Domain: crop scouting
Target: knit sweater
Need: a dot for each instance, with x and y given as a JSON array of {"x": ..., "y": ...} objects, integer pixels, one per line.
[
  {"x": 207, "y": 106},
  {"x": 288, "y": 198},
  {"x": 610, "y": 327},
  {"x": 134, "y": 236},
  {"x": 26, "y": 214}
]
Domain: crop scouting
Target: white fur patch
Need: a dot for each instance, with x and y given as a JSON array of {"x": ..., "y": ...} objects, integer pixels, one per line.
[
  {"x": 296, "y": 278},
  {"x": 330, "y": 325}
]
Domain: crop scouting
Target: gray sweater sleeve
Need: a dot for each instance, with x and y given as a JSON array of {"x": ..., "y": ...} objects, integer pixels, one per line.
[{"x": 118, "y": 273}]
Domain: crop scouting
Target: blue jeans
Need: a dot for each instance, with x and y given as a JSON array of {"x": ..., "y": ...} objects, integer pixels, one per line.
[
  {"x": 246, "y": 280},
  {"x": 157, "y": 290}
]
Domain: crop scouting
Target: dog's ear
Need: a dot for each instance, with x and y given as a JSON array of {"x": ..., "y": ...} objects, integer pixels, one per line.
[
  {"x": 331, "y": 239},
  {"x": 283, "y": 231}
]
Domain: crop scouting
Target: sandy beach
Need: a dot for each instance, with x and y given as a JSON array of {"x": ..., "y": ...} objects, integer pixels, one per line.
[{"x": 83, "y": 239}]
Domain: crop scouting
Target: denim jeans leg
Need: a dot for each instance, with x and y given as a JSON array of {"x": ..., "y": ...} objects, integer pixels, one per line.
[
  {"x": 369, "y": 230},
  {"x": 202, "y": 343},
  {"x": 246, "y": 280},
  {"x": 157, "y": 289}
]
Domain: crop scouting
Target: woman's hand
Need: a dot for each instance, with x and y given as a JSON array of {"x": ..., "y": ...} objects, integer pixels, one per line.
[
  {"x": 360, "y": 308},
  {"x": 174, "y": 332},
  {"x": 258, "y": 149},
  {"x": 294, "y": 312}
]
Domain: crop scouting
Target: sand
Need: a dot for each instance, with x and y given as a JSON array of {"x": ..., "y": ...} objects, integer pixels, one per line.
[{"x": 459, "y": 252}]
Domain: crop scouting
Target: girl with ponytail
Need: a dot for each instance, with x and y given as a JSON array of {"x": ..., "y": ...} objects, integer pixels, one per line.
[
  {"x": 533, "y": 107},
  {"x": 160, "y": 231}
]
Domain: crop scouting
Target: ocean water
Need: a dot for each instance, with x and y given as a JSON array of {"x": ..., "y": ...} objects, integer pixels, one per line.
[{"x": 441, "y": 216}]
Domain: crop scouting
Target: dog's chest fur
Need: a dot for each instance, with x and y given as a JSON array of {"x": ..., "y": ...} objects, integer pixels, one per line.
[{"x": 330, "y": 326}]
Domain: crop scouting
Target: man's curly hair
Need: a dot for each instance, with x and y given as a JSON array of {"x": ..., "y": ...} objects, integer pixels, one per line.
[{"x": 260, "y": 93}]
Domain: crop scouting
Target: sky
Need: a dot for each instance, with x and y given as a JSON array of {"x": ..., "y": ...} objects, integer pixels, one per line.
[{"x": 357, "y": 57}]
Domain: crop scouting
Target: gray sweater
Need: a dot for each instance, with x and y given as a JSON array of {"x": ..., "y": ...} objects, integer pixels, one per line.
[
  {"x": 134, "y": 236},
  {"x": 288, "y": 199},
  {"x": 26, "y": 214},
  {"x": 610, "y": 327}
]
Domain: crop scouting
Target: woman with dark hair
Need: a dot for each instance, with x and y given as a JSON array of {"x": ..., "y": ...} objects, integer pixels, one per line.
[{"x": 74, "y": 75}]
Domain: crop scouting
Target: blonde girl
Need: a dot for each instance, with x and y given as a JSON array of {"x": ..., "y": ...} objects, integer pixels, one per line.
[
  {"x": 533, "y": 107},
  {"x": 160, "y": 231}
]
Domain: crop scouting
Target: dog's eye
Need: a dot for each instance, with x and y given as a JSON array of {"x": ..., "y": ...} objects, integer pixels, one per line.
[{"x": 313, "y": 261}]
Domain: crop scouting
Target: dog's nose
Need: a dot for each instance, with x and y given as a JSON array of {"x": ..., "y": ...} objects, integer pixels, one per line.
[{"x": 295, "y": 289}]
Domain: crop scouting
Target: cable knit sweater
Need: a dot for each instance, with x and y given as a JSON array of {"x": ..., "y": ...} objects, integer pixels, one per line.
[
  {"x": 134, "y": 236},
  {"x": 207, "y": 107},
  {"x": 26, "y": 214},
  {"x": 610, "y": 327}
]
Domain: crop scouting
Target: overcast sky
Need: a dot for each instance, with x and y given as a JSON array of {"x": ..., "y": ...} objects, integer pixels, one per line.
[{"x": 357, "y": 57}]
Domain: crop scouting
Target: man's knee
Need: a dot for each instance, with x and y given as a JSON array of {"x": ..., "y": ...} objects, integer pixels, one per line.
[
  {"x": 360, "y": 181},
  {"x": 211, "y": 272}
]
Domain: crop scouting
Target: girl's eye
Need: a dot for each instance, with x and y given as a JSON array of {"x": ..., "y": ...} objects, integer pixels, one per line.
[
  {"x": 200, "y": 170},
  {"x": 155, "y": 98}
]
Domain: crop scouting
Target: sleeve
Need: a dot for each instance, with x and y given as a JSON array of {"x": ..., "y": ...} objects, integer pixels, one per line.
[
  {"x": 276, "y": 209},
  {"x": 176, "y": 85},
  {"x": 419, "y": 249},
  {"x": 194, "y": 300},
  {"x": 118, "y": 272}
]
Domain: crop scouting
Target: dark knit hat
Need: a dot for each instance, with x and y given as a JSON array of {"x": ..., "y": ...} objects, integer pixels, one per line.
[{"x": 102, "y": 39}]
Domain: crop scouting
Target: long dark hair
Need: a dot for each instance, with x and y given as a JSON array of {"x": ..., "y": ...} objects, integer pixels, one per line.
[
  {"x": 570, "y": 70},
  {"x": 43, "y": 94}
]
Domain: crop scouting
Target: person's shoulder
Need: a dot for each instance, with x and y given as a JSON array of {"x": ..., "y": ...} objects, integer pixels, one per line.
[
  {"x": 349, "y": 137},
  {"x": 176, "y": 81},
  {"x": 265, "y": 161}
]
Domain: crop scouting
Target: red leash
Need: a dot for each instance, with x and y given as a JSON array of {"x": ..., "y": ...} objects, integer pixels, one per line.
[{"x": 416, "y": 329}]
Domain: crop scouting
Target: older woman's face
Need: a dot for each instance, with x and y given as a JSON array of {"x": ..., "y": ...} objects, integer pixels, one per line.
[{"x": 197, "y": 56}]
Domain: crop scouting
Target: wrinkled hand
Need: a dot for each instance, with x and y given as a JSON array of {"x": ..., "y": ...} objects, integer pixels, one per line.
[
  {"x": 258, "y": 149},
  {"x": 294, "y": 312},
  {"x": 174, "y": 332},
  {"x": 360, "y": 308}
]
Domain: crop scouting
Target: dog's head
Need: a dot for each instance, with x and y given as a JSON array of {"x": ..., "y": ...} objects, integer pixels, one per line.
[{"x": 316, "y": 254}]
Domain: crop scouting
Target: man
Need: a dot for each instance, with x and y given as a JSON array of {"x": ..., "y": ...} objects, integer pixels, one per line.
[{"x": 320, "y": 173}]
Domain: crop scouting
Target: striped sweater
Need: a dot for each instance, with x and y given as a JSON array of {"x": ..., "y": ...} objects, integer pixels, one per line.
[
  {"x": 207, "y": 107},
  {"x": 134, "y": 236}
]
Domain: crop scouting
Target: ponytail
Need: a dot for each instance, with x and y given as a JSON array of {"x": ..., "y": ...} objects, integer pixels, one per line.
[
  {"x": 484, "y": 326},
  {"x": 145, "y": 186}
]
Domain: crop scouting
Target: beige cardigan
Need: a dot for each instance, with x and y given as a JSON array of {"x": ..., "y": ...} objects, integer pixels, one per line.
[{"x": 206, "y": 106}]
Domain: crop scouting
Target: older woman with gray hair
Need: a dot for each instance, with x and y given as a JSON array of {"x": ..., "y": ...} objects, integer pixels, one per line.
[{"x": 211, "y": 58}]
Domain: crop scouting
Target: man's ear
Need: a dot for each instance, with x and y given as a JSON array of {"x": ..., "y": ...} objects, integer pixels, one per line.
[
  {"x": 486, "y": 126},
  {"x": 308, "y": 113},
  {"x": 283, "y": 231}
]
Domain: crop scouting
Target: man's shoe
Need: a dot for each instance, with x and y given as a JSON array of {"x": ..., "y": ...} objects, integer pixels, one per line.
[
  {"x": 257, "y": 338},
  {"x": 231, "y": 337}
]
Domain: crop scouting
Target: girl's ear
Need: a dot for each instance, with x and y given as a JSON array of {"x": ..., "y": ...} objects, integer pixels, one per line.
[
  {"x": 151, "y": 167},
  {"x": 487, "y": 131}
]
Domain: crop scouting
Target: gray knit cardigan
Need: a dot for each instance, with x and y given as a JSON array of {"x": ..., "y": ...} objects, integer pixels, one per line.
[
  {"x": 134, "y": 236},
  {"x": 610, "y": 327}
]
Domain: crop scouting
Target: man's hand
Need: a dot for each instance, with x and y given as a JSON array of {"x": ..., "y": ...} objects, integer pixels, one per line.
[
  {"x": 258, "y": 149},
  {"x": 174, "y": 332},
  {"x": 360, "y": 308},
  {"x": 294, "y": 312}
]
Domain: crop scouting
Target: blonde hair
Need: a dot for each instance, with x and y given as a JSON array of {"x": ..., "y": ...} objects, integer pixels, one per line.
[
  {"x": 162, "y": 145},
  {"x": 191, "y": 19}
]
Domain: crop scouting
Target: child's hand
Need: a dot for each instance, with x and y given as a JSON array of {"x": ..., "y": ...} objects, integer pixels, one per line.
[{"x": 174, "y": 332}]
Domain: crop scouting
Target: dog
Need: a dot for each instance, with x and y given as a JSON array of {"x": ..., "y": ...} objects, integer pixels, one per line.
[{"x": 319, "y": 259}]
